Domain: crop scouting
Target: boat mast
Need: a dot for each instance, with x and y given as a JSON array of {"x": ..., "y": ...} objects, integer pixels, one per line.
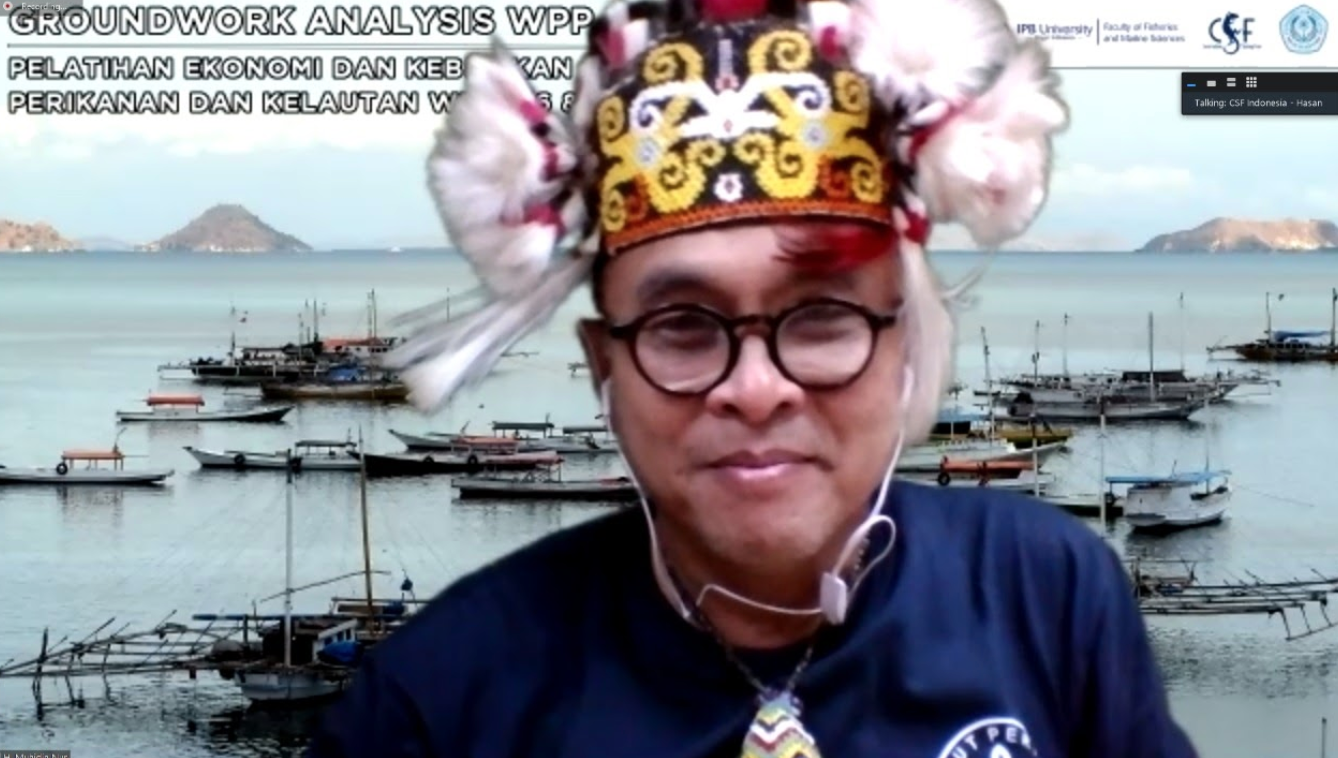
[
  {"x": 232, "y": 326},
  {"x": 366, "y": 539},
  {"x": 1036, "y": 355},
  {"x": 371, "y": 315},
  {"x": 1268, "y": 316},
  {"x": 1101, "y": 448},
  {"x": 989, "y": 383},
  {"x": 288, "y": 564},
  {"x": 1182, "y": 331},
  {"x": 1333, "y": 320},
  {"x": 1036, "y": 381},
  {"x": 1065, "y": 346},
  {"x": 1152, "y": 361}
]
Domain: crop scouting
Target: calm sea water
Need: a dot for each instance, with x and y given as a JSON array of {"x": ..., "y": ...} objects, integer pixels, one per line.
[{"x": 81, "y": 337}]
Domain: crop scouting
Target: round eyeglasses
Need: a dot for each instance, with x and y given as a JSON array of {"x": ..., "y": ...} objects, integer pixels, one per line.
[{"x": 690, "y": 349}]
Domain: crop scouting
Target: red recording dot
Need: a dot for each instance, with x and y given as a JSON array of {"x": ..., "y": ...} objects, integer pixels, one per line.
[{"x": 9, "y": 6}]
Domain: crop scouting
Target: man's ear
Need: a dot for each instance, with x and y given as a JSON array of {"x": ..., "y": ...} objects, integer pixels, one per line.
[{"x": 594, "y": 337}]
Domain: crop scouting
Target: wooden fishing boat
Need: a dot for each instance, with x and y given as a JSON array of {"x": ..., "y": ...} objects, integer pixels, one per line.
[
  {"x": 70, "y": 471},
  {"x": 186, "y": 408},
  {"x": 583, "y": 440},
  {"x": 380, "y": 391},
  {"x": 958, "y": 424},
  {"x": 928, "y": 458},
  {"x": 410, "y": 464},
  {"x": 1010, "y": 474},
  {"x": 459, "y": 443},
  {"x": 1113, "y": 407},
  {"x": 1024, "y": 437},
  {"x": 306, "y": 455},
  {"x": 1289, "y": 345},
  {"x": 1175, "y": 501},
  {"x": 616, "y": 489}
]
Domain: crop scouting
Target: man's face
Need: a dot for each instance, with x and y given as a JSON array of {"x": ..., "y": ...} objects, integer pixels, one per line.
[{"x": 702, "y": 460}]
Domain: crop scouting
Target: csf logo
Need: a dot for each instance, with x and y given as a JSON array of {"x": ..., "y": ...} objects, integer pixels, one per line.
[
  {"x": 1231, "y": 33},
  {"x": 1026, "y": 29}
]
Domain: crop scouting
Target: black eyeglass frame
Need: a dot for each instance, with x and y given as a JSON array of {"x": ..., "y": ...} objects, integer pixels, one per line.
[{"x": 629, "y": 331}]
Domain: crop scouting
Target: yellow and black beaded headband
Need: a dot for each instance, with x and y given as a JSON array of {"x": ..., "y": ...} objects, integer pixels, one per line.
[{"x": 691, "y": 113}]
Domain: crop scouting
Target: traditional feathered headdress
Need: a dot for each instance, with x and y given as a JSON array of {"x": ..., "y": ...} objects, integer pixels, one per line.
[{"x": 692, "y": 112}]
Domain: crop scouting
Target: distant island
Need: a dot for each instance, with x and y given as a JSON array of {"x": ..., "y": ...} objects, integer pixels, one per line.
[
  {"x": 16, "y": 237},
  {"x": 1234, "y": 235},
  {"x": 227, "y": 228}
]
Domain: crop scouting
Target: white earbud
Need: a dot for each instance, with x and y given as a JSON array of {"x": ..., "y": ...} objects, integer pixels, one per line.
[{"x": 834, "y": 592}]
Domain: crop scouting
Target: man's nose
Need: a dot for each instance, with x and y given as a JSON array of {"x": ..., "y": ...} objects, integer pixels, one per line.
[{"x": 756, "y": 390}]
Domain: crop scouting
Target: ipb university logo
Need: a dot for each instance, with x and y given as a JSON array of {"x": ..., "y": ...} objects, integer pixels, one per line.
[
  {"x": 1056, "y": 32},
  {"x": 1231, "y": 33},
  {"x": 1304, "y": 30}
]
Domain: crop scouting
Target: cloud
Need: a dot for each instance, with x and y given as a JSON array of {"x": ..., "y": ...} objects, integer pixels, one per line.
[
  {"x": 1085, "y": 179},
  {"x": 87, "y": 137},
  {"x": 1321, "y": 198},
  {"x": 955, "y": 237}
]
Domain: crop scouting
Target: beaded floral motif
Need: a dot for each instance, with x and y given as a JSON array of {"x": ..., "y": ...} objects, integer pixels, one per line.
[{"x": 745, "y": 120}]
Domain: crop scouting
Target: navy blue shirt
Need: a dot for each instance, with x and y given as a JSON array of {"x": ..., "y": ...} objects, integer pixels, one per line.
[{"x": 997, "y": 620}]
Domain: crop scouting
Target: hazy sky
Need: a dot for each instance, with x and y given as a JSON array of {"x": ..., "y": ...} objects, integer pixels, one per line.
[{"x": 1130, "y": 167}]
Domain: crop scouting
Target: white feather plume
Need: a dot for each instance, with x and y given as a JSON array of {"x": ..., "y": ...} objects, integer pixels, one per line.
[
  {"x": 489, "y": 167},
  {"x": 460, "y": 353},
  {"x": 987, "y": 167},
  {"x": 493, "y": 165},
  {"x": 924, "y": 51}
]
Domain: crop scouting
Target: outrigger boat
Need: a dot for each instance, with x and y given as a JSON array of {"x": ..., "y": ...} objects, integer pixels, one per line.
[
  {"x": 186, "y": 408},
  {"x": 305, "y": 455},
  {"x": 545, "y": 483},
  {"x": 69, "y": 471},
  {"x": 301, "y": 659}
]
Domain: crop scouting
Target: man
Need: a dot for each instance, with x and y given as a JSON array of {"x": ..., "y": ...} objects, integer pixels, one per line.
[{"x": 770, "y": 336}]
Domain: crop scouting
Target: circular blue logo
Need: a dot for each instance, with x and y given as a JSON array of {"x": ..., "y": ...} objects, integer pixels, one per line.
[{"x": 1304, "y": 29}]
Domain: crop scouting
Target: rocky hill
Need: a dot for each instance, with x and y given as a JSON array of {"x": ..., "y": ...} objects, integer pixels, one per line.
[
  {"x": 32, "y": 238},
  {"x": 227, "y": 228},
  {"x": 1234, "y": 235}
]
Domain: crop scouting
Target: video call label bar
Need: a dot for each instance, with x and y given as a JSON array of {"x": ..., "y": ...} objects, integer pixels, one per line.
[
  {"x": 1260, "y": 81},
  {"x": 1268, "y": 104},
  {"x": 1259, "y": 93}
]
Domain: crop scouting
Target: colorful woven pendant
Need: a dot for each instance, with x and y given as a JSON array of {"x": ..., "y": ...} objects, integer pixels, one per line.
[{"x": 777, "y": 732}]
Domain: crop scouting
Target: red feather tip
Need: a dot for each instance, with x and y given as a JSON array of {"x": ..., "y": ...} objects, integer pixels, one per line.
[
  {"x": 726, "y": 11},
  {"x": 835, "y": 247}
]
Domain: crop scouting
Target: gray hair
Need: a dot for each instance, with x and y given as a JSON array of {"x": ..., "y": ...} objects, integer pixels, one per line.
[{"x": 930, "y": 337}]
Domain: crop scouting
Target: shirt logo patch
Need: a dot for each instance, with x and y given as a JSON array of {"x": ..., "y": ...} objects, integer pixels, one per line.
[{"x": 990, "y": 738}]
